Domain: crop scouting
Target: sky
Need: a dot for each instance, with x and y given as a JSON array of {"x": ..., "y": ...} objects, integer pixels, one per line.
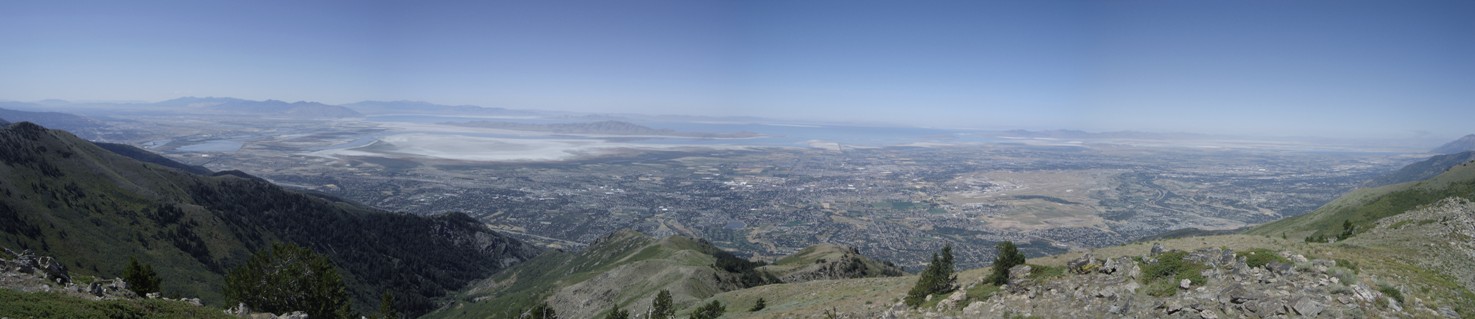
[{"x": 1285, "y": 67}]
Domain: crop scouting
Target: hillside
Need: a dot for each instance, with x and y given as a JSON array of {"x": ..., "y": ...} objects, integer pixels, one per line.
[
  {"x": 629, "y": 268},
  {"x": 1364, "y": 206},
  {"x": 1422, "y": 170},
  {"x": 65, "y": 197},
  {"x": 827, "y": 261},
  {"x": 1464, "y": 144}
]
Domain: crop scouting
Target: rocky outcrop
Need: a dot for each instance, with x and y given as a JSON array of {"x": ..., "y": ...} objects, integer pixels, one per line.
[{"x": 1306, "y": 288}]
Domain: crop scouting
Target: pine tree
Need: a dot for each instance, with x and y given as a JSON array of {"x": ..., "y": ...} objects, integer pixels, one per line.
[
  {"x": 1008, "y": 257},
  {"x": 938, "y": 278},
  {"x": 386, "y": 307},
  {"x": 662, "y": 307},
  {"x": 140, "y": 278}
]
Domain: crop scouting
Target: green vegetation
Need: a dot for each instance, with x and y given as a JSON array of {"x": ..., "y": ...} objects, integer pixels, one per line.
[
  {"x": 1391, "y": 292},
  {"x": 1041, "y": 272},
  {"x": 1008, "y": 257},
  {"x": 1259, "y": 257},
  {"x": 1357, "y": 211},
  {"x": 15, "y": 304},
  {"x": 758, "y": 305},
  {"x": 617, "y": 313},
  {"x": 711, "y": 310},
  {"x": 662, "y": 307},
  {"x": 1161, "y": 279},
  {"x": 289, "y": 278},
  {"x": 938, "y": 278},
  {"x": 540, "y": 311},
  {"x": 140, "y": 278},
  {"x": 982, "y": 291}
]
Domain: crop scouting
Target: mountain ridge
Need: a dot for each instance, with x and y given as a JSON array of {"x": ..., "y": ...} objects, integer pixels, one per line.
[{"x": 66, "y": 197}]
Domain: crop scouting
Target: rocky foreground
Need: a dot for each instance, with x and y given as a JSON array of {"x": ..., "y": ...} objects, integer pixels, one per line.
[{"x": 1109, "y": 287}]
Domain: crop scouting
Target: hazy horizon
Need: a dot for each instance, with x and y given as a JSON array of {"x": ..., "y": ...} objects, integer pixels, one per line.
[{"x": 1306, "y": 68}]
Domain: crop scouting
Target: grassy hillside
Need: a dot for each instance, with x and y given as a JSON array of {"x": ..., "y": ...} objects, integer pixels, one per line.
[
  {"x": 68, "y": 198},
  {"x": 827, "y": 261},
  {"x": 626, "y": 268},
  {"x": 1365, "y": 206},
  {"x": 15, "y": 304}
]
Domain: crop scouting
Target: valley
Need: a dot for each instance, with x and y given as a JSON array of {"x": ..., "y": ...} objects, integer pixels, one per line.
[{"x": 897, "y": 195}]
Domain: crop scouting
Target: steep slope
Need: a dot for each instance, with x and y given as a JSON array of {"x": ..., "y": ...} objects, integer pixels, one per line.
[
  {"x": 69, "y": 198},
  {"x": 1422, "y": 170},
  {"x": 1464, "y": 144}
]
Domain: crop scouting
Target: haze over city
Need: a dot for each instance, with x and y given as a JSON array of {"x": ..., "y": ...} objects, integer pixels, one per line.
[{"x": 1367, "y": 69}]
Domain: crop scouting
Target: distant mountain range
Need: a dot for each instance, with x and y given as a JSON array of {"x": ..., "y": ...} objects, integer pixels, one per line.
[
  {"x": 97, "y": 205},
  {"x": 598, "y": 128},
  {"x": 79, "y": 125},
  {"x": 267, "y": 107},
  {"x": 1464, "y": 144}
]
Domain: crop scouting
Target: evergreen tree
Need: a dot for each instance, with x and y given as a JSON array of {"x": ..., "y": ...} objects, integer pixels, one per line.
[
  {"x": 709, "y": 311},
  {"x": 938, "y": 278},
  {"x": 386, "y": 307},
  {"x": 662, "y": 307},
  {"x": 541, "y": 311},
  {"x": 1347, "y": 230},
  {"x": 141, "y": 278},
  {"x": 288, "y": 278},
  {"x": 618, "y": 313},
  {"x": 1008, "y": 257},
  {"x": 758, "y": 305}
]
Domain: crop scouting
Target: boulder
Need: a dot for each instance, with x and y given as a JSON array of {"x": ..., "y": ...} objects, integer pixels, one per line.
[
  {"x": 1307, "y": 307},
  {"x": 1185, "y": 283},
  {"x": 1085, "y": 265}
]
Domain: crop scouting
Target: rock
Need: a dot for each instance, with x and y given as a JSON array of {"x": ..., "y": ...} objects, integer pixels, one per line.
[
  {"x": 1393, "y": 305},
  {"x": 1208, "y": 314},
  {"x": 293, "y": 315},
  {"x": 1185, "y": 284},
  {"x": 1448, "y": 312},
  {"x": 1235, "y": 294},
  {"x": 1307, "y": 307},
  {"x": 1364, "y": 294},
  {"x": 1085, "y": 265},
  {"x": 952, "y": 300},
  {"x": 95, "y": 289},
  {"x": 53, "y": 269},
  {"x": 192, "y": 301},
  {"x": 1299, "y": 259},
  {"x": 1157, "y": 248},
  {"x": 152, "y": 295},
  {"x": 974, "y": 309}
]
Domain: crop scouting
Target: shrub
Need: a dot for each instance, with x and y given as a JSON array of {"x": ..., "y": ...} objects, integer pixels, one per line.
[
  {"x": 140, "y": 278},
  {"x": 286, "y": 278},
  {"x": 1391, "y": 292},
  {"x": 709, "y": 311},
  {"x": 1259, "y": 257},
  {"x": 758, "y": 305},
  {"x": 1161, "y": 278}
]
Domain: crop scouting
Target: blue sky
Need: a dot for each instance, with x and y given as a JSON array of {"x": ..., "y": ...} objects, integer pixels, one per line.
[{"x": 1347, "y": 68}]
